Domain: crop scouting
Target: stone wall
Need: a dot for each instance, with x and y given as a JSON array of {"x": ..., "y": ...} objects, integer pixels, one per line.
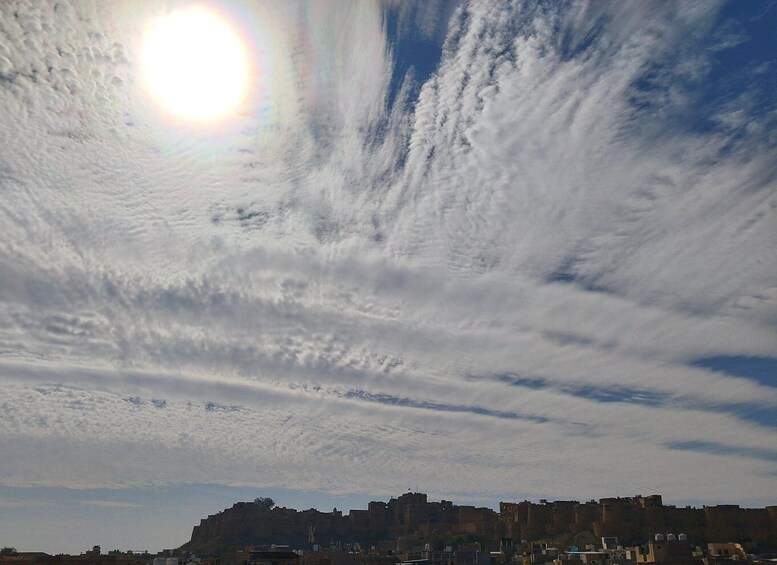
[{"x": 636, "y": 519}]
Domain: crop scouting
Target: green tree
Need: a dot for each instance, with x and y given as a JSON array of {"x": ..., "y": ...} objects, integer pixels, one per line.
[
  {"x": 437, "y": 542},
  {"x": 264, "y": 502},
  {"x": 8, "y": 551},
  {"x": 468, "y": 538}
]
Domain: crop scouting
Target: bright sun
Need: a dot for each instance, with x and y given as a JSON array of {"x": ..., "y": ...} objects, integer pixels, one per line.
[{"x": 195, "y": 65}]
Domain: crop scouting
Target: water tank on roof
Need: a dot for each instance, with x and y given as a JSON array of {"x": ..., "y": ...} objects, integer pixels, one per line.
[
  {"x": 659, "y": 537},
  {"x": 671, "y": 537},
  {"x": 682, "y": 537}
]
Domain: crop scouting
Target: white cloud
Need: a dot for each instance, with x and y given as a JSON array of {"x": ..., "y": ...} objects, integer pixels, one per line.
[{"x": 298, "y": 300}]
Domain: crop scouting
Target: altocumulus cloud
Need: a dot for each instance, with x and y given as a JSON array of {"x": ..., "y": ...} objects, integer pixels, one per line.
[{"x": 488, "y": 273}]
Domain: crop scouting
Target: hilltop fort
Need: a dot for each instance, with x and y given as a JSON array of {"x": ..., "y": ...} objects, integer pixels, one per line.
[{"x": 412, "y": 519}]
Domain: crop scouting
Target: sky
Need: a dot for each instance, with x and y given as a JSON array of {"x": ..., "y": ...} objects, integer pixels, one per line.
[{"x": 486, "y": 250}]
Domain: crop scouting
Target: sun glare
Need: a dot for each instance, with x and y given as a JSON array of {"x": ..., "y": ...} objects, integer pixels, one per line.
[{"x": 195, "y": 65}]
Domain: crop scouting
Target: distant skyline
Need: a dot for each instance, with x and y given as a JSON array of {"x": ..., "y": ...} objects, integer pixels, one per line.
[
  {"x": 335, "y": 250},
  {"x": 59, "y": 520}
]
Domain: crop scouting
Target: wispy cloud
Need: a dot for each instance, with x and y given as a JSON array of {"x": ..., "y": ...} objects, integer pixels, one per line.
[
  {"x": 24, "y": 503},
  {"x": 110, "y": 504},
  {"x": 723, "y": 449},
  {"x": 525, "y": 248}
]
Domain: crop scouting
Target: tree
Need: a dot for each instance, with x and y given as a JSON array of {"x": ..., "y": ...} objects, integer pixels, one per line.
[
  {"x": 468, "y": 538},
  {"x": 437, "y": 542},
  {"x": 8, "y": 551},
  {"x": 264, "y": 502}
]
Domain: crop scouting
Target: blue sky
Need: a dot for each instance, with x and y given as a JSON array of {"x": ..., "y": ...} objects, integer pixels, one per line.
[{"x": 482, "y": 249}]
